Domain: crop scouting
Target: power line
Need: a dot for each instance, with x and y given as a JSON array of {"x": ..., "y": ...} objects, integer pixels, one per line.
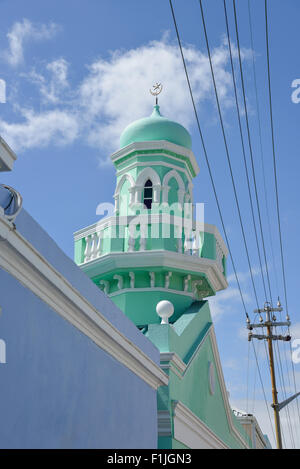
[
  {"x": 276, "y": 184},
  {"x": 215, "y": 194},
  {"x": 250, "y": 147},
  {"x": 264, "y": 178},
  {"x": 227, "y": 151},
  {"x": 243, "y": 147},
  {"x": 260, "y": 144},
  {"x": 229, "y": 162},
  {"x": 253, "y": 172},
  {"x": 262, "y": 385},
  {"x": 206, "y": 157},
  {"x": 281, "y": 378},
  {"x": 249, "y": 191}
]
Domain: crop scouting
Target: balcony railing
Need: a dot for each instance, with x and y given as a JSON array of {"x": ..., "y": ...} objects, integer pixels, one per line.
[{"x": 93, "y": 245}]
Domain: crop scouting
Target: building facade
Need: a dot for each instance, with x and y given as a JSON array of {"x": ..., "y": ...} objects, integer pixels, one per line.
[
  {"x": 156, "y": 248},
  {"x": 75, "y": 372}
]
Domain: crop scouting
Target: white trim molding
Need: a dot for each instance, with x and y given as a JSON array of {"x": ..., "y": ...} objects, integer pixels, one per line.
[
  {"x": 172, "y": 361},
  {"x": 169, "y": 259},
  {"x": 145, "y": 174},
  {"x": 150, "y": 289},
  {"x": 156, "y": 145},
  {"x": 165, "y": 184},
  {"x": 257, "y": 437},
  {"x": 21, "y": 260},
  {"x": 139, "y": 164},
  {"x": 191, "y": 431}
]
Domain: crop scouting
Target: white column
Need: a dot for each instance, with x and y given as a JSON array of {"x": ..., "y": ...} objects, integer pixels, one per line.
[
  {"x": 138, "y": 194},
  {"x": 186, "y": 282},
  {"x": 117, "y": 202},
  {"x": 131, "y": 191},
  {"x": 195, "y": 243},
  {"x": 165, "y": 191},
  {"x": 167, "y": 279},
  {"x": 132, "y": 279},
  {"x": 180, "y": 194},
  {"x": 152, "y": 279},
  {"x": 156, "y": 194},
  {"x": 131, "y": 244},
  {"x": 143, "y": 242},
  {"x": 87, "y": 251},
  {"x": 98, "y": 247}
]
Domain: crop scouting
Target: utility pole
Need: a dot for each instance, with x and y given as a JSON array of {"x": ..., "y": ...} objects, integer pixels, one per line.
[{"x": 269, "y": 323}]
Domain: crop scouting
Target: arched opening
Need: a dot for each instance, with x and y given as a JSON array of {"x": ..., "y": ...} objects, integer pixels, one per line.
[{"x": 148, "y": 194}]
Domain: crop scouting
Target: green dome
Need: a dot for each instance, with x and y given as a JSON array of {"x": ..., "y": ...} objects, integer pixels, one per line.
[{"x": 155, "y": 127}]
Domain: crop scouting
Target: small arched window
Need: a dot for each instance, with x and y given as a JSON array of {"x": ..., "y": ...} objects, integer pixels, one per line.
[{"x": 148, "y": 193}]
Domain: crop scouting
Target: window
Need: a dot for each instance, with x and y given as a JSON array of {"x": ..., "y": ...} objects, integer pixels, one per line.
[{"x": 148, "y": 191}]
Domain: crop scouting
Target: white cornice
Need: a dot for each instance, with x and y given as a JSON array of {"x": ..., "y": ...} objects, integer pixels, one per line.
[
  {"x": 191, "y": 431},
  {"x": 20, "y": 259},
  {"x": 172, "y": 361},
  {"x": 251, "y": 420},
  {"x": 156, "y": 145},
  {"x": 162, "y": 258},
  {"x": 7, "y": 156},
  {"x": 150, "y": 289}
]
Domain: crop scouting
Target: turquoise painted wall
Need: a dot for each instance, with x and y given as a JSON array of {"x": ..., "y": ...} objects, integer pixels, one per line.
[{"x": 183, "y": 337}]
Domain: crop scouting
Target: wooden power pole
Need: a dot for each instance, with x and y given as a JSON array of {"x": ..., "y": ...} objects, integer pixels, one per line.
[{"x": 269, "y": 323}]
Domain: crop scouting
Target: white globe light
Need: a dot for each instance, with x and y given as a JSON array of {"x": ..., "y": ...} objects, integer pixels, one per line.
[{"x": 164, "y": 309}]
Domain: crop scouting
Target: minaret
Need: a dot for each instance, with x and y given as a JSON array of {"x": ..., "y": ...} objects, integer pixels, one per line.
[{"x": 152, "y": 248}]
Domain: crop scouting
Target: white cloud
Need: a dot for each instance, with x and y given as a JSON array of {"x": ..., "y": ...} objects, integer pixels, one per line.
[
  {"x": 23, "y": 31},
  {"x": 115, "y": 91},
  {"x": 41, "y": 129},
  {"x": 51, "y": 87},
  {"x": 244, "y": 276},
  {"x": 226, "y": 302}
]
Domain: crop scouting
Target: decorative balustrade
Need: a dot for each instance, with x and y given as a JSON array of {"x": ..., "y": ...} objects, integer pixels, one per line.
[
  {"x": 96, "y": 244},
  {"x": 92, "y": 247}
]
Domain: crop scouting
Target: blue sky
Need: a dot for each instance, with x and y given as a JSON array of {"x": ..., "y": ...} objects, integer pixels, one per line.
[{"x": 78, "y": 72}]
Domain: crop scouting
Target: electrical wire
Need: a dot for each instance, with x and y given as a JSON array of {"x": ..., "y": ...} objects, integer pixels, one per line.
[
  {"x": 243, "y": 148},
  {"x": 252, "y": 161},
  {"x": 227, "y": 152},
  {"x": 250, "y": 149},
  {"x": 261, "y": 145},
  {"x": 276, "y": 187},
  {"x": 264, "y": 176},
  {"x": 206, "y": 158},
  {"x": 216, "y": 197},
  {"x": 263, "y": 389}
]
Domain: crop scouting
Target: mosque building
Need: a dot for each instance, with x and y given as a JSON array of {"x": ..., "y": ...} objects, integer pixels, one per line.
[{"x": 157, "y": 260}]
